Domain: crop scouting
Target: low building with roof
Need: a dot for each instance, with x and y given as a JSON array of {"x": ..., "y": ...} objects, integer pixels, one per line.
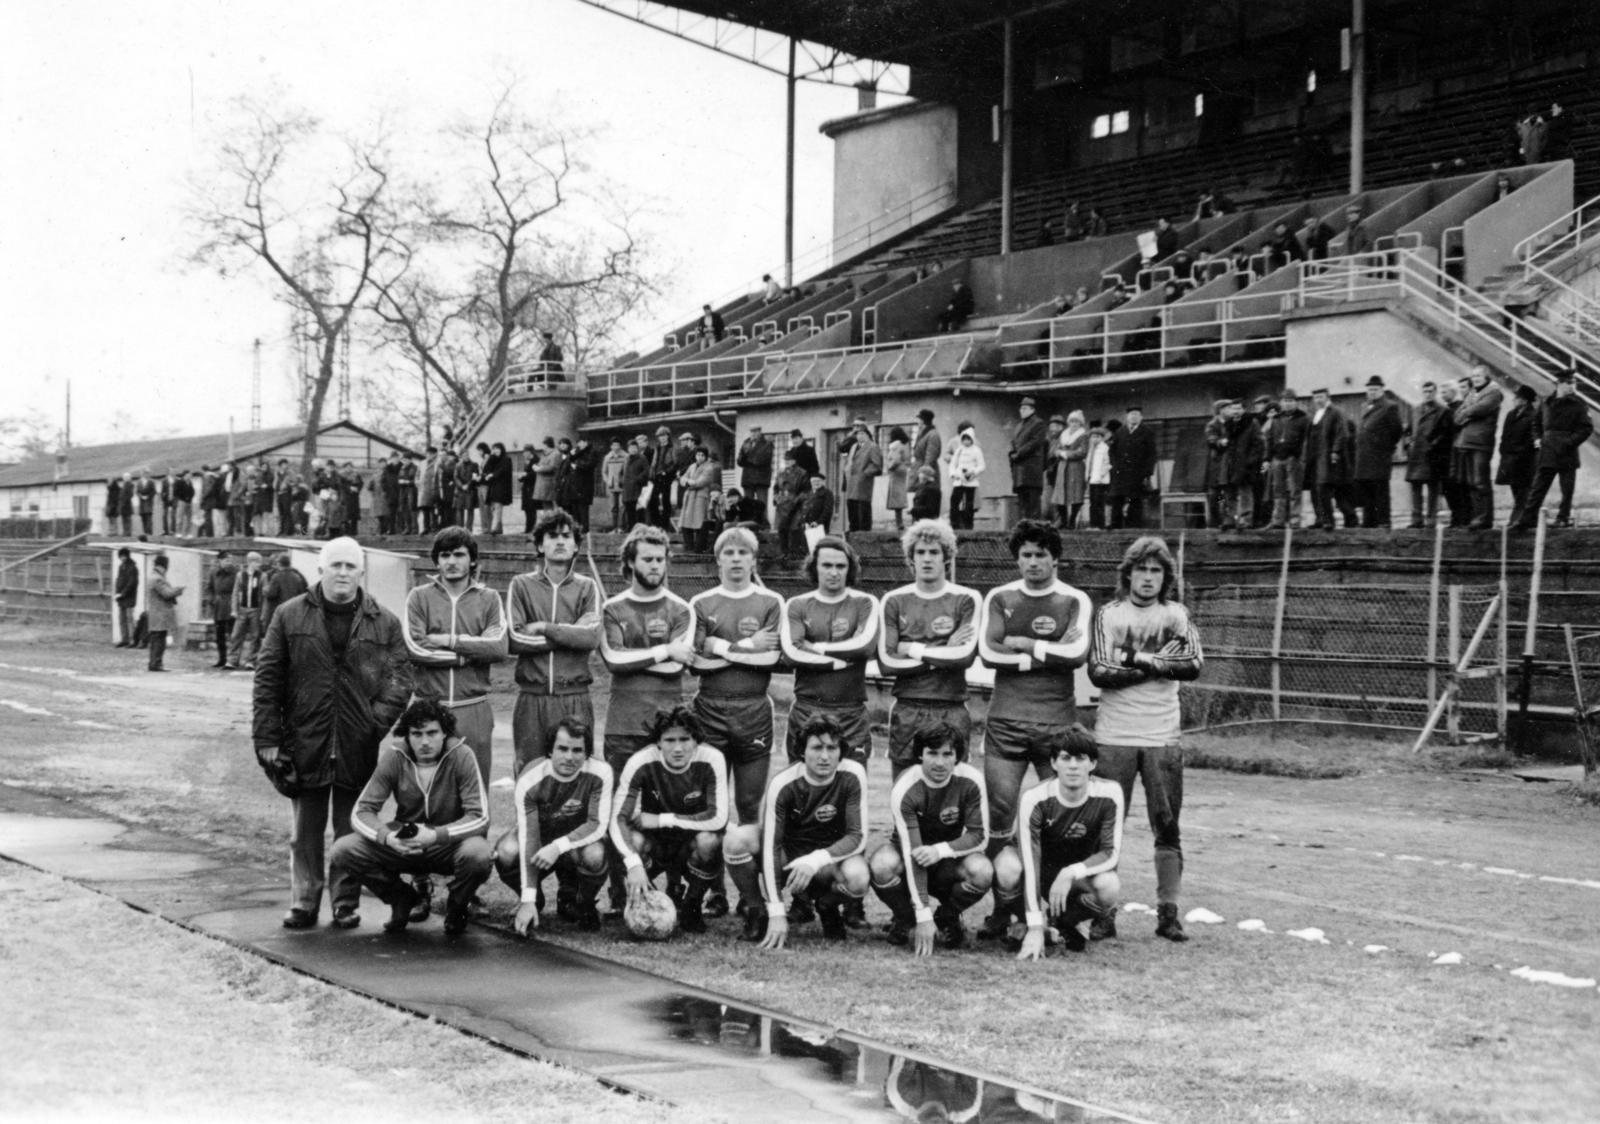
[{"x": 72, "y": 485}]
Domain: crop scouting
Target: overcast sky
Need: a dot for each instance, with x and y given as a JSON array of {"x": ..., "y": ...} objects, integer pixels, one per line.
[{"x": 105, "y": 106}]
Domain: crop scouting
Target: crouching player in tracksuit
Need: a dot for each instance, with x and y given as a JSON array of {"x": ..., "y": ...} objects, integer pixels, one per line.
[
  {"x": 671, "y": 809},
  {"x": 441, "y": 818},
  {"x": 1070, "y": 834},
  {"x": 563, "y": 808},
  {"x": 809, "y": 840},
  {"x": 941, "y": 827}
]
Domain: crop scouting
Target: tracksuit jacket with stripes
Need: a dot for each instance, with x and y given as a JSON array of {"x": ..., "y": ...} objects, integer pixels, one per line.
[
  {"x": 453, "y": 803},
  {"x": 475, "y": 620}
]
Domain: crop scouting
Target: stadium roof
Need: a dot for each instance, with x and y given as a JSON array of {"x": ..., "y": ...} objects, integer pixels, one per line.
[{"x": 99, "y": 462}]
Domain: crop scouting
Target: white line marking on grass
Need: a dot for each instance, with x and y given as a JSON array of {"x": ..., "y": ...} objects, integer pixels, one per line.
[
  {"x": 1535, "y": 975},
  {"x": 92, "y": 724},
  {"x": 26, "y": 709}
]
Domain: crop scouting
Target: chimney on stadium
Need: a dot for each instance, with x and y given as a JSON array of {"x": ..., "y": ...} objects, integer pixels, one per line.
[{"x": 866, "y": 96}]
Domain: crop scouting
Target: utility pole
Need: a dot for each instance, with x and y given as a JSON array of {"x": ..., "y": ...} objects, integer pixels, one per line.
[
  {"x": 1005, "y": 144},
  {"x": 1358, "y": 93},
  {"x": 66, "y": 434},
  {"x": 255, "y": 389},
  {"x": 788, "y": 179}
]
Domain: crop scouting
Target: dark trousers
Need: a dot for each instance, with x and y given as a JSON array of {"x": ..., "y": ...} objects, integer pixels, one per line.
[
  {"x": 858, "y": 514},
  {"x": 125, "y": 626},
  {"x": 223, "y": 628},
  {"x": 1097, "y": 506},
  {"x": 1028, "y": 502},
  {"x": 661, "y": 503},
  {"x": 1325, "y": 497},
  {"x": 1372, "y": 496},
  {"x": 1541, "y": 487},
  {"x": 755, "y": 504},
  {"x": 1473, "y": 469},
  {"x": 1127, "y": 511},
  {"x": 1424, "y": 503},
  {"x": 286, "y": 514},
  {"x": 963, "y": 508},
  {"x": 158, "y": 649},
  {"x": 1519, "y": 473},
  {"x": 360, "y": 861},
  {"x": 308, "y": 828}
]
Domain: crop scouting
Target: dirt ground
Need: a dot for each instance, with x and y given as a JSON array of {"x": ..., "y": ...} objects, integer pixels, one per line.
[{"x": 1396, "y": 861}]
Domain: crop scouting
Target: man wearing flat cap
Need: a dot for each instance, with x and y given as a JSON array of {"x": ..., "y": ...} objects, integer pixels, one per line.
[
  {"x": 1378, "y": 432},
  {"x": 332, "y": 677},
  {"x": 863, "y": 464},
  {"x": 1028, "y": 449},
  {"x": 755, "y": 474}
]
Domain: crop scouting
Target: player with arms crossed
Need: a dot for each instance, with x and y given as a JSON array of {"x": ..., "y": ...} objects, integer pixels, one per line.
[
  {"x": 941, "y": 826},
  {"x": 1071, "y": 838},
  {"x": 670, "y": 811},
  {"x": 1143, "y": 646},
  {"x": 928, "y": 638},
  {"x": 809, "y": 841},
  {"x": 1034, "y": 632},
  {"x": 736, "y": 628},
  {"x": 829, "y": 635},
  {"x": 563, "y": 808},
  {"x": 555, "y": 625}
]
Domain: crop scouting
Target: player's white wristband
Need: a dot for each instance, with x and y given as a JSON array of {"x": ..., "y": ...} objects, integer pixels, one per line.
[
  {"x": 815, "y": 861},
  {"x": 632, "y": 861},
  {"x": 1039, "y": 650},
  {"x": 530, "y": 895},
  {"x": 924, "y": 915},
  {"x": 840, "y": 665},
  {"x": 721, "y": 647},
  {"x": 1024, "y": 663},
  {"x": 944, "y": 851},
  {"x": 777, "y": 909},
  {"x": 914, "y": 651},
  {"x": 1076, "y": 872},
  {"x": 1035, "y": 919}
]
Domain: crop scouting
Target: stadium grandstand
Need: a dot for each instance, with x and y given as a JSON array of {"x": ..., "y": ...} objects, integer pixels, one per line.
[{"x": 1433, "y": 127}]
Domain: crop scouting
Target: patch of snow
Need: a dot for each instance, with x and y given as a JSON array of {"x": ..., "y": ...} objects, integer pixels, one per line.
[
  {"x": 1410, "y": 858},
  {"x": 1202, "y": 916},
  {"x": 1254, "y": 925},
  {"x": 1535, "y": 975},
  {"x": 1136, "y": 907},
  {"x": 26, "y": 709},
  {"x": 92, "y": 724},
  {"x": 1315, "y": 936},
  {"x": 1374, "y": 949},
  {"x": 1448, "y": 958},
  {"x": 1498, "y": 870}
]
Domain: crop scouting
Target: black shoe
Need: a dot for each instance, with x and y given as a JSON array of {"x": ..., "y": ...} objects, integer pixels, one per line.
[
  {"x": 716, "y": 905},
  {"x": 476, "y": 908},
  {"x": 403, "y": 901},
  {"x": 755, "y": 924},
  {"x": 692, "y": 917},
  {"x": 423, "y": 909},
  {"x": 220, "y": 664},
  {"x": 995, "y": 926},
  {"x": 948, "y": 922},
  {"x": 801, "y": 911},
  {"x": 1103, "y": 928},
  {"x": 855, "y": 914},
  {"x": 1168, "y": 925},
  {"x": 1072, "y": 938},
  {"x": 298, "y": 918},
  {"x": 587, "y": 917},
  {"x": 346, "y": 918},
  {"x": 832, "y": 922},
  {"x": 1562, "y": 524},
  {"x": 157, "y": 669},
  {"x": 567, "y": 905},
  {"x": 456, "y": 917},
  {"x": 899, "y": 932}
]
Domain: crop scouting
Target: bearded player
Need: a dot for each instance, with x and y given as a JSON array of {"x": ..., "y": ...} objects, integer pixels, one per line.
[
  {"x": 809, "y": 840},
  {"x": 1143, "y": 646},
  {"x": 941, "y": 826},
  {"x": 928, "y": 639},
  {"x": 1034, "y": 632},
  {"x": 671, "y": 808},
  {"x": 736, "y": 628},
  {"x": 563, "y": 809}
]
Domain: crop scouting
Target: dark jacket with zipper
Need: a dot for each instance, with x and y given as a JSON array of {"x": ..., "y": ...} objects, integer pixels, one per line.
[{"x": 330, "y": 717}]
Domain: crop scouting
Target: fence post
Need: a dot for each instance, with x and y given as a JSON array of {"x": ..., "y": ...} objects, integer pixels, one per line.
[
  {"x": 1277, "y": 626},
  {"x": 1453, "y": 687},
  {"x": 1529, "y": 637},
  {"x": 1433, "y": 614},
  {"x": 1505, "y": 629}
]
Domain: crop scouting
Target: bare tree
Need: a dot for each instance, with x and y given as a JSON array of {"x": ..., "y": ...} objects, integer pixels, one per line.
[
  {"x": 517, "y": 240},
  {"x": 320, "y": 246},
  {"x": 26, "y": 436}
]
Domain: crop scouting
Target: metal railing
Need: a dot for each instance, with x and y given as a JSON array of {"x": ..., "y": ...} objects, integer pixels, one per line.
[
  {"x": 1553, "y": 241},
  {"x": 519, "y": 378}
]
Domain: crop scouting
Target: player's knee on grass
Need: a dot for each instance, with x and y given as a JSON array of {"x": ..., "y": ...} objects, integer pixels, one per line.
[
  {"x": 885, "y": 865},
  {"x": 741, "y": 843},
  {"x": 508, "y": 861},
  {"x": 854, "y": 876},
  {"x": 1008, "y": 872},
  {"x": 977, "y": 872},
  {"x": 592, "y": 859}
]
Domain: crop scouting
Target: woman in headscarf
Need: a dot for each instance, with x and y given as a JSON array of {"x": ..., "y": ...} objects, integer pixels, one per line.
[
  {"x": 966, "y": 465},
  {"x": 897, "y": 471},
  {"x": 1072, "y": 447}
]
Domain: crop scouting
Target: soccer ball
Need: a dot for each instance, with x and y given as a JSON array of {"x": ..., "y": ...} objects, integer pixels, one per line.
[{"x": 652, "y": 917}]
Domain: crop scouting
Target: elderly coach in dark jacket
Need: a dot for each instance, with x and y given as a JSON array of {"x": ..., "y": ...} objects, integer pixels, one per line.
[
  {"x": 1378, "y": 433},
  {"x": 332, "y": 677}
]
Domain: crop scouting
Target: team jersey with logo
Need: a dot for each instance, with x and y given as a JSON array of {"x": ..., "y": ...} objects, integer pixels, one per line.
[
  {"x": 634, "y": 634},
  {"x": 1056, "y": 834},
  {"x": 829, "y": 642},
  {"x": 1139, "y": 706},
  {"x": 935, "y": 669},
  {"x": 694, "y": 798},
  {"x": 568, "y": 813},
  {"x": 952, "y": 818},
  {"x": 727, "y": 620},
  {"x": 811, "y": 823},
  {"x": 1036, "y": 685}
]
